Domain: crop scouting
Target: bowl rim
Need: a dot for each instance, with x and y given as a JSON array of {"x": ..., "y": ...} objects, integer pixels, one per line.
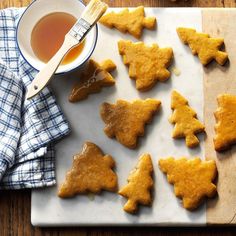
[{"x": 68, "y": 70}]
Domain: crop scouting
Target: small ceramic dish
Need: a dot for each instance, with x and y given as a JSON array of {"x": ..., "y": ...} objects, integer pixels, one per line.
[{"x": 40, "y": 8}]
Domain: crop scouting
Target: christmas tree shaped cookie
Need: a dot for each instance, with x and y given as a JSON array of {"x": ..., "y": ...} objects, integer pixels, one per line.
[
  {"x": 225, "y": 127},
  {"x": 185, "y": 120},
  {"x": 192, "y": 179},
  {"x": 91, "y": 172},
  {"x": 126, "y": 120},
  {"x": 202, "y": 45},
  {"x": 93, "y": 79},
  {"x": 129, "y": 21},
  {"x": 140, "y": 184},
  {"x": 147, "y": 64}
]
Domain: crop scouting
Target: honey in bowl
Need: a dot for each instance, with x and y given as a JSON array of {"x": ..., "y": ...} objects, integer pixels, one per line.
[{"x": 48, "y": 36}]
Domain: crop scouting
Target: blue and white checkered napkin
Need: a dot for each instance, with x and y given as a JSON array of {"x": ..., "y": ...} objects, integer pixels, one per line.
[{"x": 28, "y": 129}]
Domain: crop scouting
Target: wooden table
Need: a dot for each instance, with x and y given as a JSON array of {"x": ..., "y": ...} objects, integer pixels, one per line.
[{"x": 15, "y": 205}]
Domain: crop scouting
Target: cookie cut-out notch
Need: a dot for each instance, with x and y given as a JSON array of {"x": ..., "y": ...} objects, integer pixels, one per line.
[
  {"x": 140, "y": 184},
  {"x": 192, "y": 179},
  {"x": 203, "y": 45},
  {"x": 185, "y": 120},
  {"x": 147, "y": 64},
  {"x": 225, "y": 127},
  {"x": 133, "y": 21},
  {"x": 93, "y": 79},
  {"x": 126, "y": 120},
  {"x": 91, "y": 172}
]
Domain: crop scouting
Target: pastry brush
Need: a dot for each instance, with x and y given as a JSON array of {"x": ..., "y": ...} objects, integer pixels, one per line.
[{"x": 91, "y": 14}]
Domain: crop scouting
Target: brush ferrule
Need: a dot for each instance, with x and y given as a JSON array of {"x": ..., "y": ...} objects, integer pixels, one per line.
[{"x": 80, "y": 29}]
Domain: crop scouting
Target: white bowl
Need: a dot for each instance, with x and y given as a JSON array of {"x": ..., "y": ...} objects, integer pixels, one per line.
[{"x": 40, "y": 8}]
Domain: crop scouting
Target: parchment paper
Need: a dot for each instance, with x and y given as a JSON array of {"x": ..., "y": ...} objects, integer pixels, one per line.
[{"x": 106, "y": 209}]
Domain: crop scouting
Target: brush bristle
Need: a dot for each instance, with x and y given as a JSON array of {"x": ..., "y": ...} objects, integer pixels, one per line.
[{"x": 93, "y": 11}]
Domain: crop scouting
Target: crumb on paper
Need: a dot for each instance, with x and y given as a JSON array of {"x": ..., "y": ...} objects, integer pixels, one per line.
[
  {"x": 91, "y": 196},
  {"x": 176, "y": 71}
]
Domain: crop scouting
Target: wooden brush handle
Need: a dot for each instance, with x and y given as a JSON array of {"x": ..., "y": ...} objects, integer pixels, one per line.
[{"x": 44, "y": 76}]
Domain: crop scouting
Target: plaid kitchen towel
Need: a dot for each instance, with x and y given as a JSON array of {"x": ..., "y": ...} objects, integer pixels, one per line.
[{"x": 28, "y": 128}]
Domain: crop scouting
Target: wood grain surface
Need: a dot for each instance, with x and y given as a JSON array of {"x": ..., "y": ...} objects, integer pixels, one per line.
[
  {"x": 15, "y": 205},
  {"x": 220, "y": 80}
]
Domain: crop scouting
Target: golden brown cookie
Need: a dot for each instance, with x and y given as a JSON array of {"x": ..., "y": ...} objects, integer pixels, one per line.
[
  {"x": 185, "y": 120},
  {"x": 126, "y": 120},
  {"x": 147, "y": 64},
  {"x": 93, "y": 79},
  {"x": 132, "y": 22},
  {"x": 192, "y": 179},
  {"x": 140, "y": 184},
  {"x": 91, "y": 172},
  {"x": 225, "y": 127},
  {"x": 203, "y": 45}
]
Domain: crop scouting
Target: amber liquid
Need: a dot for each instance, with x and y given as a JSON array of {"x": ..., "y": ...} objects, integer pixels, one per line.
[{"x": 48, "y": 35}]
